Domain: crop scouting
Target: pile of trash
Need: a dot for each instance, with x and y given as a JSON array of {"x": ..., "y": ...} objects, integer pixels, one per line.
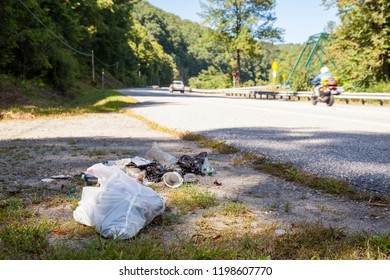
[{"x": 118, "y": 202}]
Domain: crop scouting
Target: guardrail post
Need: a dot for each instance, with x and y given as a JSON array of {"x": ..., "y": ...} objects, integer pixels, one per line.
[
  {"x": 363, "y": 101},
  {"x": 381, "y": 102}
]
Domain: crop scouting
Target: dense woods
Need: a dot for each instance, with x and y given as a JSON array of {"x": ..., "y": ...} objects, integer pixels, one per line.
[
  {"x": 60, "y": 43},
  {"x": 361, "y": 44}
]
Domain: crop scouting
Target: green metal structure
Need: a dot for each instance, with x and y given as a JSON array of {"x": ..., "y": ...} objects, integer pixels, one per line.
[{"x": 315, "y": 51}]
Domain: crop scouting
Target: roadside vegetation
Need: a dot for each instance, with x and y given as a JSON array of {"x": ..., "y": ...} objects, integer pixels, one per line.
[
  {"x": 60, "y": 44},
  {"x": 214, "y": 227},
  {"x": 153, "y": 47},
  {"x": 28, "y": 232},
  {"x": 30, "y": 100}
]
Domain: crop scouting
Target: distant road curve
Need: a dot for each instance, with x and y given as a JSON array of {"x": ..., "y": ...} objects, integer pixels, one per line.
[{"x": 344, "y": 141}]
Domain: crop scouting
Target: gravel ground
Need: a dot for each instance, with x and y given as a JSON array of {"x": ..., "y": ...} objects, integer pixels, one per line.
[{"x": 36, "y": 149}]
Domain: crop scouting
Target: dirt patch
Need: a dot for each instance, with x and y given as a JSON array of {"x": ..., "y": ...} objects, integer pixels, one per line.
[{"x": 37, "y": 149}]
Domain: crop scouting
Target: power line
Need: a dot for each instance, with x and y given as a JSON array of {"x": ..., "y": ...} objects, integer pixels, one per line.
[
  {"x": 104, "y": 64},
  {"x": 67, "y": 45},
  {"x": 51, "y": 32}
]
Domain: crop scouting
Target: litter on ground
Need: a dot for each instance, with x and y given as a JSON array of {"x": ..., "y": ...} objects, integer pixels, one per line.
[{"x": 117, "y": 201}]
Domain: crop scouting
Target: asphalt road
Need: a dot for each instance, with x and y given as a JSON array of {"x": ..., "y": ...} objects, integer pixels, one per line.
[{"x": 351, "y": 142}]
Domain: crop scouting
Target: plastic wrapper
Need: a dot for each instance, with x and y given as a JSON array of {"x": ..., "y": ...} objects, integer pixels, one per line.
[
  {"x": 166, "y": 159},
  {"x": 194, "y": 164},
  {"x": 120, "y": 207}
]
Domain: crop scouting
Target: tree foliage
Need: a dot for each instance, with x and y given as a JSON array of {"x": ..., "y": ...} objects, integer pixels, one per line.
[
  {"x": 52, "y": 42},
  {"x": 239, "y": 24},
  {"x": 361, "y": 43}
]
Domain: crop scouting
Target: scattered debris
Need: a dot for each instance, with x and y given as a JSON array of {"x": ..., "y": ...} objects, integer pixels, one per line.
[
  {"x": 217, "y": 183},
  {"x": 73, "y": 194},
  {"x": 139, "y": 161},
  {"x": 154, "y": 171},
  {"x": 172, "y": 179},
  {"x": 166, "y": 159},
  {"x": 190, "y": 164},
  {"x": 117, "y": 201},
  {"x": 120, "y": 206},
  {"x": 58, "y": 233},
  {"x": 280, "y": 232},
  {"x": 47, "y": 180},
  {"x": 207, "y": 168},
  {"x": 89, "y": 179},
  {"x": 378, "y": 204},
  {"x": 61, "y": 177},
  {"x": 190, "y": 178},
  {"x": 56, "y": 177}
]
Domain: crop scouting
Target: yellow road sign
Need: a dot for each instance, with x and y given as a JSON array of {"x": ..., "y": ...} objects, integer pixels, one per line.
[{"x": 274, "y": 66}]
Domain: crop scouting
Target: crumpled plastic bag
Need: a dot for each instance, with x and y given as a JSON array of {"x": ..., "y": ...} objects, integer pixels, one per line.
[
  {"x": 194, "y": 164},
  {"x": 120, "y": 207},
  {"x": 166, "y": 159}
]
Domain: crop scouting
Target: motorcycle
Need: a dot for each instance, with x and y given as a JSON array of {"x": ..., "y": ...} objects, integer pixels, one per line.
[{"x": 326, "y": 91}]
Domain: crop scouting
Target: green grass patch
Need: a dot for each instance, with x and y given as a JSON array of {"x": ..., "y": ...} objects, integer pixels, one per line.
[
  {"x": 187, "y": 198},
  {"x": 290, "y": 173},
  {"x": 24, "y": 234},
  {"x": 152, "y": 124},
  {"x": 24, "y": 240},
  {"x": 87, "y": 101},
  {"x": 218, "y": 146},
  {"x": 233, "y": 209}
]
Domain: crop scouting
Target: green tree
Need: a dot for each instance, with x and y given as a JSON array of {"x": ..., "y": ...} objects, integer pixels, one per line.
[
  {"x": 210, "y": 79},
  {"x": 33, "y": 39},
  {"x": 240, "y": 23},
  {"x": 362, "y": 41},
  {"x": 183, "y": 40}
]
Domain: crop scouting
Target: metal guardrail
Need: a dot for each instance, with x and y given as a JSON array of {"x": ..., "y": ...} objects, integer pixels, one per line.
[{"x": 265, "y": 92}]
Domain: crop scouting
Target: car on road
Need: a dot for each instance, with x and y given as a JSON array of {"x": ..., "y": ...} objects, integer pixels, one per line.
[{"x": 177, "y": 86}]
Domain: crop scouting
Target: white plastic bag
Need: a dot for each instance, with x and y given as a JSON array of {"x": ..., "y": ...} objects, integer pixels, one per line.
[{"x": 120, "y": 207}]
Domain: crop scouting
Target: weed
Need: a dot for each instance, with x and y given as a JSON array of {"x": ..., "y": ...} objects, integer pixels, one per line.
[
  {"x": 322, "y": 207},
  {"x": 218, "y": 146},
  {"x": 96, "y": 153},
  {"x": 56, "y": 201},
  {"x": 303, "y": 196},
  {"x": 273, "y": 207},
  {"x": 247, "y": 157},
  {"x": 15, "y": 203},
  {"x": 151, "y": 124},
  {"x": 234, "y": 209},
  {"x": 287, "y": 207},
  {"x": 37, "y": 199},
  {"x": 24, "y": 240},
  {"x": 187, "y": 199},
  {"x": 290, "y": 173}
]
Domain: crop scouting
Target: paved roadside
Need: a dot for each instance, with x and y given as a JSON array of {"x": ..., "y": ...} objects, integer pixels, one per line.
[{"x": 40, "y": 148}]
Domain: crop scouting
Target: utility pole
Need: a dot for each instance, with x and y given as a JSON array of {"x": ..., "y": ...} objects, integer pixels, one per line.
[
  {"x": 103, "y": 79},
  {"x": 238, "y": 78},
  {"x": 93, "y": 67}
]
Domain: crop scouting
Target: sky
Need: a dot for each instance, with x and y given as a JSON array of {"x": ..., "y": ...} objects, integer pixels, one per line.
[{"x": 299, "y": 18}]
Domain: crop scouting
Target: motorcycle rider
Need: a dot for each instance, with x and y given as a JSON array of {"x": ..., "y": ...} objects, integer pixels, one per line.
[{"x": 317, "y": 80}]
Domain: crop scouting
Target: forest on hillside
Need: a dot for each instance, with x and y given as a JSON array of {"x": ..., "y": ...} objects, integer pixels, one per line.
[{"x": 60, "y": 43}]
